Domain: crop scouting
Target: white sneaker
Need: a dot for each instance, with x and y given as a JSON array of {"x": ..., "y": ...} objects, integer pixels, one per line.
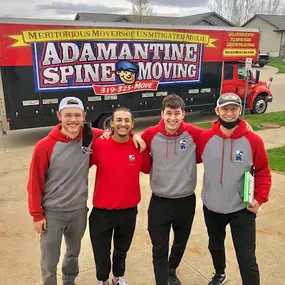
[
  {"x": 102, "y": 283},
  {"x": 120, "y": 281}
]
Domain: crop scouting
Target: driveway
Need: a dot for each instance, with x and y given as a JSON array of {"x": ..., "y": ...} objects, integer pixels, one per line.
[{"x": 277, "y": 87}]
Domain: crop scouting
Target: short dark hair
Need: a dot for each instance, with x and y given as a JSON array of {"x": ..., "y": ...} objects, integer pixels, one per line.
[
  {"x": 122, "y": 109},
  {"x": 173, "y": 102}
]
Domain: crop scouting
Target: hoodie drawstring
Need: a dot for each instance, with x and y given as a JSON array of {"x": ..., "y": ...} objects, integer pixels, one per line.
[
  {"x": 222, "y": 164},
  {"x": 223, "y": 156},
  {"x": 231, "y": 150},
  {"x": 167, "y": 149}
]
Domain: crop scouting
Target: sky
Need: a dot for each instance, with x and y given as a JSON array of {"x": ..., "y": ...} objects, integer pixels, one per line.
[{"x": 67, "y": 9}]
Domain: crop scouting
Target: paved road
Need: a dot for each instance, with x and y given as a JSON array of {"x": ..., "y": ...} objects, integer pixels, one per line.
[{"x": 278, "y": 91}]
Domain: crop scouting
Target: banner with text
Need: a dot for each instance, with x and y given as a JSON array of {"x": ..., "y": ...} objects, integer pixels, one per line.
[
  {"x": 114, "y": 67},
  {"x": 113, "y": 60}
]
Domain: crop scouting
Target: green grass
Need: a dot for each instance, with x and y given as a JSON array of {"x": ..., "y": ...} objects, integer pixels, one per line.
[
  {"x": 255, "y": 120},
  {"x": 276, "y": 159},
  {"x": 277, "y": 62}
]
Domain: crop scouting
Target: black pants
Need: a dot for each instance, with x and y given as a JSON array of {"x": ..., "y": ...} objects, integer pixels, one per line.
[
  {"x": 162, "y": 214},
  {"x": 242, "y": 225},
  {"x": 103, "y": 224}
]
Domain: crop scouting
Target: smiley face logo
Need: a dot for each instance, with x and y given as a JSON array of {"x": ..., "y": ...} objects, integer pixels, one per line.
[{"x": 127, "y": 71}]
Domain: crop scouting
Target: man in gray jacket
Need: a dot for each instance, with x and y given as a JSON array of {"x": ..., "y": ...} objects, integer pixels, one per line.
[
  {"x": 173, "y": 176},
  {"x": 228, "y": 150},
  {"x": 58, "y": 190}
]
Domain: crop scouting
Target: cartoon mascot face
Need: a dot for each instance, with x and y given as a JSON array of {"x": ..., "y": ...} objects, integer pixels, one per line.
[{"x": 127, "y": 71}]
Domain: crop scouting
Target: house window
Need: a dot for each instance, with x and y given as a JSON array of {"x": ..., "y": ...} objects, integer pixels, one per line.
[{"x": 228, "y": 72}]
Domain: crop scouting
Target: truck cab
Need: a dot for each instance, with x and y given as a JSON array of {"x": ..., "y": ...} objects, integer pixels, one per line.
[{"x": 235, "y": 78}]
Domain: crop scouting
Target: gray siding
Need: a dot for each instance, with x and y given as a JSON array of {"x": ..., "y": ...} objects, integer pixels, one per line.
[{"x": 270, "y": 40}]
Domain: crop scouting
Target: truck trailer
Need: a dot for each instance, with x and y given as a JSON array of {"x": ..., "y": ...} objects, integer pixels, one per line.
[{"x": 110, "y": 65}]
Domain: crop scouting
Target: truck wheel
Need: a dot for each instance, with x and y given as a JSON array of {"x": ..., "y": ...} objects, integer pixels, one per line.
[
  {"x": 261, "y": 65},
  {"x": 259, "y": 105},
  {"x": 104, "y": 122}
]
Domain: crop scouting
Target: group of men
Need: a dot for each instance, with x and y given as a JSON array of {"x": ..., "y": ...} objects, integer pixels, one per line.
[{"x": 58, "y": 189}]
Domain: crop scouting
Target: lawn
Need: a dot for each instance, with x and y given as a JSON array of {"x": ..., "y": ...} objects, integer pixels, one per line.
[
  {"x": 277, "y": 62},
  {"x": 276, "y": 159},
  {"x": 254, "y": 120}
]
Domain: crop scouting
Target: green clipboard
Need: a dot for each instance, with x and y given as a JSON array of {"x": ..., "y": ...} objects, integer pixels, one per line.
[{"x": 248, "y": 188}]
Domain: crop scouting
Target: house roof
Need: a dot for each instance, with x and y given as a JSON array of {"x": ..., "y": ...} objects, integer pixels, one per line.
[
  {"x": 278, "y": 21},
  {"x": 212, "y": 18}
]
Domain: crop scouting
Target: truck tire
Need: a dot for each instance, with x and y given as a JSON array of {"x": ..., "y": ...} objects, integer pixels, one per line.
[
  {"x": 259, "y": 105},
  {"x": 261, "y": 65},
  {"x": 104, "y": 122}
]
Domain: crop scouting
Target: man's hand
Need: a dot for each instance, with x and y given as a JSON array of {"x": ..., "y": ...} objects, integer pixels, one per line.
[
  {"x": 138, "y": 141},
  {"x": 106, "y": 135},
  {"x": 254, "y": 207},
  {"x": 40, "y": 226}
]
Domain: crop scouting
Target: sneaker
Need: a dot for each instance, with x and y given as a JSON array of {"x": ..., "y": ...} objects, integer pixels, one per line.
[
  {"x": 172, "y": 278},
  {"x": 120, "y": 281},
  {"x": 218, "y": 279},
  {"x": 102, "y": 283}
]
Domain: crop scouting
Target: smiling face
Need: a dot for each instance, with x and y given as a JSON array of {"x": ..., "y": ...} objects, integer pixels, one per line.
[
  {"x": 72, "y": 120},
  {"x": 122, "y": 124},
  {"x": 229, "y": 113},
  {"x": 126, "y": 76},
  {"x": 172, "y": 119}
]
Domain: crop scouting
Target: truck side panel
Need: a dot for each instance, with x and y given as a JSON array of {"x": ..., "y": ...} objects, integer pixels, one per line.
[
  {"x": 36, "y": 109},
  {"x": 42, "y": 63}
]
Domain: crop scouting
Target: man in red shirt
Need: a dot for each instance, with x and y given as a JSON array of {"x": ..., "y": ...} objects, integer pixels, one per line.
[{"x": 116, "y": 196}]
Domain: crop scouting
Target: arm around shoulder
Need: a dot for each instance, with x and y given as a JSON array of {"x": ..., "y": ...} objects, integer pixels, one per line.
[
  {"x": 148, "y": 135},
  {"x": 146, "y": 162},
  {"x": 97, "y": 132}
]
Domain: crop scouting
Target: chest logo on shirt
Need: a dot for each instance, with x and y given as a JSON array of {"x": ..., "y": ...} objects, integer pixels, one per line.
[
  {"x": 182, "y": 144},
  {"x": 132, "y": 157},
  {"x": 239, "y": 156}
]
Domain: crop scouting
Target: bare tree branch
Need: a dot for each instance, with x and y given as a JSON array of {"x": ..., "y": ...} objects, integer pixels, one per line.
[
  {"x": 239, "y": 11},
  {"x": 142, "y": 8}
]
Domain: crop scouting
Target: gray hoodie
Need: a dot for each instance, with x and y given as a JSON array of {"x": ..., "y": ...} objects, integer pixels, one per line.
[
  {"x": 225, "y": 160},
  {"x": 174, "y": 169}
]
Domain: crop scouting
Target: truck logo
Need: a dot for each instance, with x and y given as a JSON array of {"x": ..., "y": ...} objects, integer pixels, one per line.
[
  {"x": 127, "y": 71},
  {"x": 115, "y": 68}
]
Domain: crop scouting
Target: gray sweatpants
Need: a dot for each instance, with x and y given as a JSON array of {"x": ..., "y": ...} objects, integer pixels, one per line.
[{"x": 72, "y": 225}]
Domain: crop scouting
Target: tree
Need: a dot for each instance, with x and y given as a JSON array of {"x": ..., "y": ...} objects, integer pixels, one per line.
[
  {"x": 142, "y": 8},
  {"x": 239, "y": 11}
]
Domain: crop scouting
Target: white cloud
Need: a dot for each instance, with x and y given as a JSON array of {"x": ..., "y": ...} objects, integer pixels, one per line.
[
  {"x": 178, "y": 11},
  {"x": 67, "y": 9}
]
